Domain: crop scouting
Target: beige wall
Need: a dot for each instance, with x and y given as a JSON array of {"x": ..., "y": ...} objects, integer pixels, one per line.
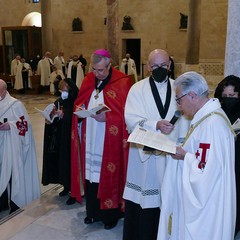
[{"x": 155, "y": 22}]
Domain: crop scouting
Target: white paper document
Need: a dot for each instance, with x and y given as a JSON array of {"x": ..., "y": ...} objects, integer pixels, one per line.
[
  {"x": 47, "y": 113},
  {"x": 152, "y": 139},
  {"x": 83, "y": 113}
]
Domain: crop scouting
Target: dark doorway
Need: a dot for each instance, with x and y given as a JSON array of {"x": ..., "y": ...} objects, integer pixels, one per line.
[
  {"x": 133, "y": 46},
  {"x": 1, "y": 60},
  {"x": 25, "y": 41}
]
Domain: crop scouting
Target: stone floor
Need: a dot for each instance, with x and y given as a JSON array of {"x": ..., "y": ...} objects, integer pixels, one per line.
[{"x": 49, "y": 218}]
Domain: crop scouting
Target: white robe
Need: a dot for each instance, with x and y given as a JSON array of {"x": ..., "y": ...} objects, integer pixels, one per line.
[
  {"x": 53, "y": 76},
  {"x": 203, "y": 202},
  {"x": 44, "y": 70},
  {"x": 18, "y": 154},
  {"x": 14, "y": 65},
  {"x": 95, "y": 135},
  {"x": 18, "y": 78},
  {"x": 131, "y": 67},
  {"x": 80, "y": 74},
  {"x": 145, "y": 170},
  {"x": 59, "y": 62}
]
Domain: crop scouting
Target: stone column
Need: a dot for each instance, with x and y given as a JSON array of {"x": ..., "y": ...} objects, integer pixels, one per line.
[
  {"x": 47, "y": 31},
  {"x": 194, "y": 21},
  {"x": 232, "y": 50},
  {"x": 113, "y": 30}
]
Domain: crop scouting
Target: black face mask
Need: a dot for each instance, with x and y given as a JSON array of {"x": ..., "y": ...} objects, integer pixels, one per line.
[
  {"x": 230, "y": 104},
  {"x": 159, "y": 74}
]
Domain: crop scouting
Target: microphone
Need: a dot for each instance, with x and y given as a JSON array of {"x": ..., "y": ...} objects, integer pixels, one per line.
[{"x": 175, "y": 117}]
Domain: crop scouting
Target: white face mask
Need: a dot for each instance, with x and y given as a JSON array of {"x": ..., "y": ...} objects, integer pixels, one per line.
[{"x": 64, "y": 95}]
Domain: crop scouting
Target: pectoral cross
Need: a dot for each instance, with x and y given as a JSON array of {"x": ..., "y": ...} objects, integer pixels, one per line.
[{"x": 97, "y": 92}]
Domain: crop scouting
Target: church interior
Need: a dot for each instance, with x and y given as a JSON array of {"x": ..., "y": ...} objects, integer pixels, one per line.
[{"x": 193, "y": 32}]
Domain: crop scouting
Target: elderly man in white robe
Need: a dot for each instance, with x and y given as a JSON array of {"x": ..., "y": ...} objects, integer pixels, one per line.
[
  {"x": 128, "y": 66},
  {"x": 55, "y": 77},
  {"x": 23, "y": 75},
  {"x": 201, "y": 203},
  {"x": 44, "y": 69},
  {"x": 59, "y": 62},
  {"x": 14, "y": 64},
  {"x": 75, "y": 71},
  {"x": 150, "y": 104},
  {"x": 18, "y": 163}
]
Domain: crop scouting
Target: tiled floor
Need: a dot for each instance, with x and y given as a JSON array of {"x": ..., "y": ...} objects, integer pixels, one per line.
[{"x": 49, "y": 218}]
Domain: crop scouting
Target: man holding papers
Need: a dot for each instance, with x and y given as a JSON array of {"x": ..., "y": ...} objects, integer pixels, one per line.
[
  {"x": 103, "y": 151},
  {"x": 151, "y": 105}
]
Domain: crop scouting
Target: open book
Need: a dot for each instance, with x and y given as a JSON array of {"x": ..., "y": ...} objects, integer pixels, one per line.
[
  {"x": 48, "y": 113},
  {"x": 83, "y": 113},
  {"x": 236, "y": 126},
  {"x": 152, "y": 139}
]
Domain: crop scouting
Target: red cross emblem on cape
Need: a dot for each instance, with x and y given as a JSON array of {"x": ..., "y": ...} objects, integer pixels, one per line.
[
  {"x": 22, "y": 126},
  {"x": 204, "y": 147}
]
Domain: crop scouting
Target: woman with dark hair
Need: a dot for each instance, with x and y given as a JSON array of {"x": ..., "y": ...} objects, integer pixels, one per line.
[
  {"x": 57, "y": 140},
  {"x": 228, "y": 93}
]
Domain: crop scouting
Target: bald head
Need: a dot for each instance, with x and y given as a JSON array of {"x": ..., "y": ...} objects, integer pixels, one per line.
[
  {"x": 157, "y": 57},
  {"x": 3, "y": 89},
  {"x": 3, "y": 85},
  {"x": 48, "y": 54},
  {"x": 128, "y": 55}
]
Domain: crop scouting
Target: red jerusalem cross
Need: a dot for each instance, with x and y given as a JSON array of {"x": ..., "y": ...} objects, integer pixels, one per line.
[
  {"x": 204, "y": 147},
  {"x": 22, "y": 126}
]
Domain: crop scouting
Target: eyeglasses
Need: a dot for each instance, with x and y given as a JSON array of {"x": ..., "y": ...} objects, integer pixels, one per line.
[
  {"x": 155, "y": 66},
  {"x": 178, "y": 99},
  {"x": 99, "y": 71}
]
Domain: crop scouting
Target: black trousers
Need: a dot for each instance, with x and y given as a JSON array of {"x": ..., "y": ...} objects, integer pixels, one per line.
[
  {"x": 108, "y": 216},
  {"x": 140, "y": 224},
  {"x": 4, "y": 201}
]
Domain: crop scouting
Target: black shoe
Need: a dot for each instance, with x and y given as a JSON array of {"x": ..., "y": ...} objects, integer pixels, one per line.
[
  {"x": 13, "y": 207},
  {"x": 71, "y": 200},
  {"x": 110, "y": 225},
  {"x": 88, "y": 220},
  {"x": 64, "y": 192}
]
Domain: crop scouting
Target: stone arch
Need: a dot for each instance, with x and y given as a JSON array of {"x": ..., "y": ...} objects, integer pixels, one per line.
[{"x": 32, "y": 19}]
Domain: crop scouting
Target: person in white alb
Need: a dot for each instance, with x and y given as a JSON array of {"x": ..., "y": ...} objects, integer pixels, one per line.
[
  {"x": 44, "y": 69},
  {"x": 18, "y": 163},
  {"x": 75, "y": 71},
  {"x": 55, "y": 77},
  {"x": 150, "y": 104},
  {"x": 23, "y": 74},
  {"x": 59, "y": 62},
  {"x": 14, "y": 64},
  {"x": 203, "y": 203},
  {"x": 128, "y": 66}
]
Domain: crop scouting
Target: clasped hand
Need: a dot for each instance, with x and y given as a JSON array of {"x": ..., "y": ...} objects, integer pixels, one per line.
[
  {"x": 180, "y": 153},
  {"x": 60, "y": 113},
  {"x": 101, "y": 117},
  {"x": 164, "y": 126}
]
